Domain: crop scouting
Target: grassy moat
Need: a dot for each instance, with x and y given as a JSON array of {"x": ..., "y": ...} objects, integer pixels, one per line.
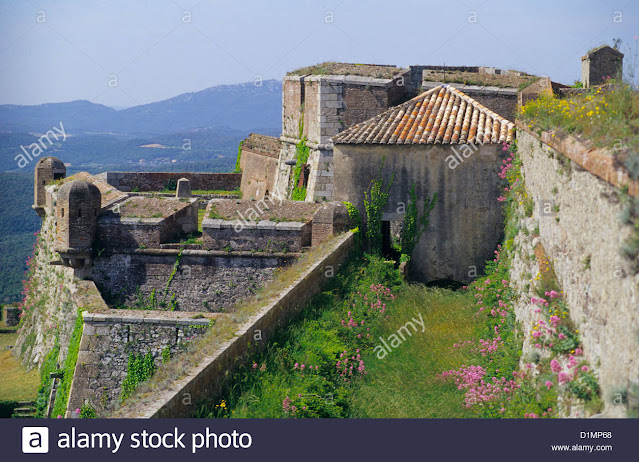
[{"x": 333, "y": 362}]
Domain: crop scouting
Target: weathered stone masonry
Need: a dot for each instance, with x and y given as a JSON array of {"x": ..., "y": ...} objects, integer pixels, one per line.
[
  {"x": 326, "y": 105},
  {"x": 107, "y": 342},
  {"x": 582, "y": 236},
  {"x": 156, "y": 181},
  {"x": 204, "y": 281},
  {"x": 207, "y": 378}
]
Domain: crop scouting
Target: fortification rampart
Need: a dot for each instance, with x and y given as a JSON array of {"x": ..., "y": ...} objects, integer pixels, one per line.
[
  {"x": 206, "y": 379},
  {"x": 185, "y": 280},
  {"x": 157, "y": 181},
  {"x": 111, "y": 337},
  {"x": 576, "y": 209}
]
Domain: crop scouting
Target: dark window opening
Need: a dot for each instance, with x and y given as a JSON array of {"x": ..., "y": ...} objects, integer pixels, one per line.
[
  {"x": 266, "y": 194},
  {"x": 57, "y": 176},
  {"x": 62, "y": 212},
  {"x": 79, "y": 213},
  {"x": 390, "y": 240},
  {"x": 305, "y": 172}
]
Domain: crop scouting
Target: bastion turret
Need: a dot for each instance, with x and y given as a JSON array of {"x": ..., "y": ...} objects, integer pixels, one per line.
[
  {"x": 77, "y": 209},
  {"x": 47, "y": 169}
]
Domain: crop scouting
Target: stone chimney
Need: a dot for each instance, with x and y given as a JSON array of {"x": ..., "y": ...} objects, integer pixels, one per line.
[{"x": 600, "y": 64}]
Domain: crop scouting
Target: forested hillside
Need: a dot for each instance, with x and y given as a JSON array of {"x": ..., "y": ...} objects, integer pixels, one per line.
[{"x": 18, "y": 223}]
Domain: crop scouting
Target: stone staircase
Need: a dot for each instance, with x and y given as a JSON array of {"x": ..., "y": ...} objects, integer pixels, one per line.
[{"x": 25, "y": 410}]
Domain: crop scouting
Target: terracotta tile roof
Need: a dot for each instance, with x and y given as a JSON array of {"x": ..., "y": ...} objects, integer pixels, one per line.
[{"x": 441, "y": 115}]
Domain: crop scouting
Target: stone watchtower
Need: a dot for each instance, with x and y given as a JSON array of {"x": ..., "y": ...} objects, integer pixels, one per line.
[
  {"x": 600, "y": 63},
  {"x": 320, "y": 101},
  {"x": 78, "y": 206},
  {"x": 47, "y": 169}
]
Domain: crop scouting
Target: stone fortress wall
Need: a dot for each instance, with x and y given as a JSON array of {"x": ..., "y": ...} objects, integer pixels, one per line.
[
  {"x": 157, "y": 181},
  {"x": 258, "y": 161},
  {"x": 577, "y": 205},
  {"x": 200, "y": 281},
  {"x": 318, "y": 107}
]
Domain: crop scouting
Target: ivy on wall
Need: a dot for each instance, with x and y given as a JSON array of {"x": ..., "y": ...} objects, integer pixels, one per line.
[
  {"x": 374, "y": 202},
  {"x": 414, "y": 225},
  {"x": 62, "y": 394},
  {"x": 355, "y": 221},
  {"x": 49, "y": 365},
  {"x": 238, "y": 169},
  {"x": 139, "y": 369},
  {"x": 302, "y": 152},
  {"x": 353, "y": 215}
]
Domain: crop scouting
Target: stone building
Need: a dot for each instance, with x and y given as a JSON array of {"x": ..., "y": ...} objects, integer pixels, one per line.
[
  {"x": 319, "y": 102},
  {"x": 443, "y": 142},
  {"x": 497, "y": 89},
  {"x": 78, "y": 206},
  {"x": 47, "y": 169},
  {"x": 599, "y": 64},
  {"x": 258, "y": 162}
]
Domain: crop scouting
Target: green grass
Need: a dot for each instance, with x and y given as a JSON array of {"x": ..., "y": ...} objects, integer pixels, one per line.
[
  {"x": 200, "y": 217},
  {"x": 16, "y": 384},
  {"x": 315, "y": 339},
  {"x": 62, "y": 394},
  {"x": 404, "y": 384}
]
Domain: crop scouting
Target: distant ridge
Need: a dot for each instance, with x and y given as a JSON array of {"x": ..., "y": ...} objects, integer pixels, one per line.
[{"x": 241, "y": 106}]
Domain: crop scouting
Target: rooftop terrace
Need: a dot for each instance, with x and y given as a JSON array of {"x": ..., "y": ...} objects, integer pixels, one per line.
[{"x": 377, "y": 71}]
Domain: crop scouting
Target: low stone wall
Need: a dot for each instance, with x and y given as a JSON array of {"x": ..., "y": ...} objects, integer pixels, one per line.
[
  {"x": 206, "y": 380},
  {"x": 330, "y": 219},
  {"x": 109, "y": 337},
  {"x": 156, "y": 181},
  {"x": 11, "y": 315},
  {"x": 262, "y": 236},
  {"x": 116, "y": 232},
  {"x": 580, "y": 230},
  {"x": 202, "y": 281}
]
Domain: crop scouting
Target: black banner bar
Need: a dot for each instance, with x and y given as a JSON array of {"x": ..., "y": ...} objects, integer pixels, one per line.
[{"x": 328, "y": 439}]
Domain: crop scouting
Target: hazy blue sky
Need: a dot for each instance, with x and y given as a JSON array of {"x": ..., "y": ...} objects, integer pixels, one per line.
[{"x": 52, "y": 51}]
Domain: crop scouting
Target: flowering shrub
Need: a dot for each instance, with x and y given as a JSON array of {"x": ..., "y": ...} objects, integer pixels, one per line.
[
  {"x": 494, "y": 386},
  {"x": 311, "y": 369},
  {"x": 604, "y": 116}
]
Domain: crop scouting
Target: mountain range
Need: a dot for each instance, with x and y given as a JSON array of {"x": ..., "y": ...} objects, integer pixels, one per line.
[
  {"x": 239, "y": 107},
  {"x": 191, "y": 132}
]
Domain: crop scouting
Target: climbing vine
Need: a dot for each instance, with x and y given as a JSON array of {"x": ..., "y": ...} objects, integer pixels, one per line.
[
  {"x": 353, "y": 215},
  {"x": 173, "y": 272},
  {"x": 238, "y": 169},
  {"x": 414, "y": 225},
  {"x": 302, "y": 152},
  {"x": 374, "y": 205},
  {"x": 139, "y": 369},
  {"x": 62, "y": 395}
]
